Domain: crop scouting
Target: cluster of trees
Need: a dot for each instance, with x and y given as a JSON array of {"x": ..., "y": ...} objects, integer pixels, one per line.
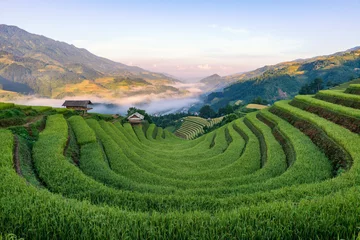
[
  {"x": 311, "y": 88},
  {"x": 227, "y": 119},
  {"x": 259, "y": 100},
  {"x": 168, "y": 119},
  {"x": 316, "y": 85},
  {"x": 207, "y": 112}
]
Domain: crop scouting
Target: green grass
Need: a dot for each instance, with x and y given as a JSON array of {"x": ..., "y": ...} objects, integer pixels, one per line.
[
  {"x": 338, "y": 95},
  {"x": 41, "y": 108},
  {"x": 22, "y": 107},
  {"x": 9, "y": 236},
  {"x": 344, "y": 86},
  {"x": 355, "y": 86},
  {"x": 83, "y": 132},
  {"x": 6, "y": 105},
  {"x": 26, "y": 164},
  {"x": 194, "y": 126},
  {"x": 343, "y": 110},
  {"x": 62, "y": 110},
  {"x": 341, "y": 136},
  {"x": 257, "y": 177}
]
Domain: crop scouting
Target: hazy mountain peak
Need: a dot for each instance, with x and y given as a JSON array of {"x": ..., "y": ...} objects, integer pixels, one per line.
[
  {"x": 9, "y": 29},
  {"x": 215, "y": 75},
  {"x": 210, "y": 78}
]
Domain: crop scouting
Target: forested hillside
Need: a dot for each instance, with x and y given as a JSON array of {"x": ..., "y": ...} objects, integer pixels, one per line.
[{"x": 284, "y": 80}]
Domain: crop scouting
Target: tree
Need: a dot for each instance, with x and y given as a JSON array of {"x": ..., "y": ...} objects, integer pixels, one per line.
[
  {"x": 207, "y": 112},
  {"x": 317, "y": 85},
  {"x": 305, "y": 89},
  {"x": 259, "y": 100},
  {"x": 229, "y": 118},
  {"x": 312, "y": 88},
  {"x": 225, "y": 110}
]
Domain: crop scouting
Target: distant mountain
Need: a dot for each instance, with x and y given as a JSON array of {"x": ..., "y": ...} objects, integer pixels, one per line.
[
  {"x": 284, "y": 80},
  {"x": 42, "y": 64},
  {"x": 213, "y": 82},
  {"x": 213, "y": 79}
]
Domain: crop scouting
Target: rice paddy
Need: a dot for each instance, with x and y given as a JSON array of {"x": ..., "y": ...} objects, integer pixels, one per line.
[{"x": 290, "y": 171}]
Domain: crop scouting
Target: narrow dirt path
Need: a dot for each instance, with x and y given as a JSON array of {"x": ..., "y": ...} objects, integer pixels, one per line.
[
  {"x": 16, "y": 156},
  {"x": 35, "y": 119}
]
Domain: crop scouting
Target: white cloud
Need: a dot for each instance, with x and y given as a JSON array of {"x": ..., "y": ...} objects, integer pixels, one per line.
[
  {"x": 235, "y": 30},
  {"x": 178, "y": 67},
  {"x": 204, "y": 66},
  {"x": 225, "y": 68},
  {"x": 229, "y": 29},
  {"x": 213, "y": 25}
]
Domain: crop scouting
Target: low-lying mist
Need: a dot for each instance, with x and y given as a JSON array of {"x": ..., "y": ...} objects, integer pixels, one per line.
[{"x": 151, "y": 103}]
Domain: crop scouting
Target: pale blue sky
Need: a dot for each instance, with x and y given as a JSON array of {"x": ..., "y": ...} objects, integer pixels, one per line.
[{"x": 191, "y": 39}]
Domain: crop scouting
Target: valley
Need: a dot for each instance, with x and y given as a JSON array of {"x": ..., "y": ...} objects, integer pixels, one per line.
[
  {"x": 179, "y": 120},
  {"x": 28, "y": 69},
  {"x": 297, "y": 157}
]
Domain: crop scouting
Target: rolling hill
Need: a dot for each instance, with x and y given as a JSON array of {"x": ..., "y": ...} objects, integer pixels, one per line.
[
  {"x": 290, "y": 171},
  {"x": 284, "y": 80},
  {"x": 31, "y": 63}
]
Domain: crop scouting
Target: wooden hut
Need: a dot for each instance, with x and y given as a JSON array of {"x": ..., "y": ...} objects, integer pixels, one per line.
[
  {"x": 79, "y": 105},
  {"x": 135, "y": 118}
]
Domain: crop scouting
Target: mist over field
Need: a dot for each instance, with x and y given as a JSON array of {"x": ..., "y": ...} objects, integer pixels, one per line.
[{"x": 151, "y": 103}]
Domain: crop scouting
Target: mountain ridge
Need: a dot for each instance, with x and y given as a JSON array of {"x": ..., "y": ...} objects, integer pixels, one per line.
[
  {"x": 231, "y": 79},
  {"x": 20, "y": 35},
  {"x": 282, "y": 80},
  {"x": 44, "y": 64}
]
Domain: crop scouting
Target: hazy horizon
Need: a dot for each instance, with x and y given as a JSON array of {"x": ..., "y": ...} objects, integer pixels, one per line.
[{"x": 193, "y": 39}]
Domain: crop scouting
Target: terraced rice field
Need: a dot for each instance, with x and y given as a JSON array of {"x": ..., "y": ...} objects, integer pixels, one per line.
[
  {"x": 194, "y": 126},
  {"x": 256, "y": 106},
  {"x": 291, "y": 171}
]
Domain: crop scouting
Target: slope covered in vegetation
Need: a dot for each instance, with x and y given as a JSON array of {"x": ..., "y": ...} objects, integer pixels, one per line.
[
  {"x": 284, "y": 80},
  {"x": 192, "y": 126},
  {"x": 291, "y": 171}
]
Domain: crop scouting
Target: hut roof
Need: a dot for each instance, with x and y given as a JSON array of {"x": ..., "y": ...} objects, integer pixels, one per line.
[
  {"x": 76, "y": 103},
  {"x": 136, "y": 115}
]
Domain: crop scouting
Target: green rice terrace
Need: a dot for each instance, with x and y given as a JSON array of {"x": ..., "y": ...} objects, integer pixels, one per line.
[
  {"x": 194, "y": 126},
  {"x": 291, "y": 171}
]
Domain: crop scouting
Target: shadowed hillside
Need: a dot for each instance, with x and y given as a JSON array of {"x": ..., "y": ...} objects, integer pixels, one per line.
[{"x": 284, "y": 80}]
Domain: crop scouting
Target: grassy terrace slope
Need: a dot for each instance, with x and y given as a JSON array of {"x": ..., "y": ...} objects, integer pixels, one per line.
[
  {"x": 291, "y": 171},
  {"x": 194, "y": 126}
]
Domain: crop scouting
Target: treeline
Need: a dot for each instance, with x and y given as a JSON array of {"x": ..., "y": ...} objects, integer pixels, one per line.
[
  {"x": 208, "y": 112},
  {"x": 169, "y": 119},
  {"x": 316, "y": 85}
]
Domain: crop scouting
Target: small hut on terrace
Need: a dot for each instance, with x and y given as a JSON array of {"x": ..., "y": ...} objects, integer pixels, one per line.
[
  {"x": 79, "y": 105},
  {"x": 135, "y": 119}
]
